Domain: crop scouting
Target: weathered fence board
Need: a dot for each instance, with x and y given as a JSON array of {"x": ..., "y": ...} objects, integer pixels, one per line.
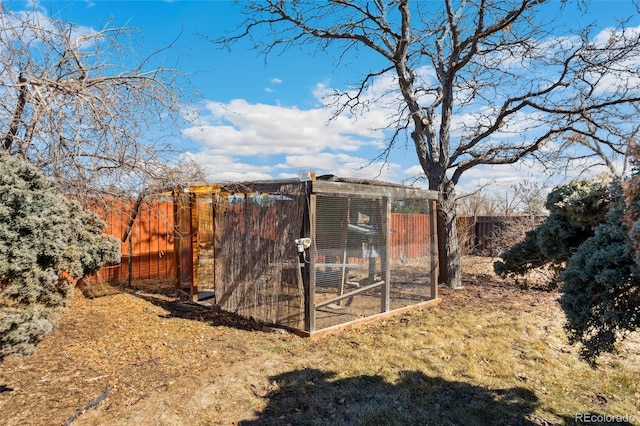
[
  {"x": 410, "y": 236},
  {"x": 152, "y": 237},
  {"x": 148, "y": 252},
  {"x": 490, "y": 235}
]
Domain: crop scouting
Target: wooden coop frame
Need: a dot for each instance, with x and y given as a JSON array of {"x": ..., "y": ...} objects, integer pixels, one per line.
[{"x": 297, "y": 253}]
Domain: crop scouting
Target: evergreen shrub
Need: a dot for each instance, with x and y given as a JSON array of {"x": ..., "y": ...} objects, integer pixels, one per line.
[{"x": 46, "y": 242}]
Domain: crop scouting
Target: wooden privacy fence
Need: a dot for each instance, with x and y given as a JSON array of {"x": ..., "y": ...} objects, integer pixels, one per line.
[
  {"x": 491, "y": 235},
  {"x": 149, "y": 253},
  {"x": 409, "y": 234}
]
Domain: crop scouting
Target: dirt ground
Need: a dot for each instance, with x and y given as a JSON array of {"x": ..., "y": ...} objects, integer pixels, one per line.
[{"x": 170, "y": 363}]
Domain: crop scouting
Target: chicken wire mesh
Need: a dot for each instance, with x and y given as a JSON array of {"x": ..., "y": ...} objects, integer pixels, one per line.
[{"x": 366, "y": 260}]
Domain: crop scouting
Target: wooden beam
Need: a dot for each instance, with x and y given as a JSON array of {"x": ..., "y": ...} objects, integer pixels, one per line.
[
  {"x": 214, "y": 200},
  {"x": 261, "y": 187},
  {"x": 193, "y": 228},
  {"x": 371, "y": 191},
  {"x": 434, "y": 249},
  {"x": 177, "y": 241},
  {"x": 344, "y": 233},
  {"x": 350, "y": 294},
  {"x": 336, "y": 328},
  {"x": 385, "y": 253},
  {"x": 310, "y": 290}
]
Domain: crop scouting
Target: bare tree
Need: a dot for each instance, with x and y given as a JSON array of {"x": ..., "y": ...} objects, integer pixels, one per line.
[
  {"x": 533, "y": 196},
  {"x": 508, "y": 201},
  {"x": 478, "y": 82},
  {"x": 74, "y": 106},
  {"x": 476, "y": 203}
]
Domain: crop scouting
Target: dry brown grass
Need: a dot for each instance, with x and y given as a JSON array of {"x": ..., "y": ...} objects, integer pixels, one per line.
[{"x": 489, "y": 354}]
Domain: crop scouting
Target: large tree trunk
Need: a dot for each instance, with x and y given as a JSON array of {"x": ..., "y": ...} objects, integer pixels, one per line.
[{"x": 448, "y": 250}]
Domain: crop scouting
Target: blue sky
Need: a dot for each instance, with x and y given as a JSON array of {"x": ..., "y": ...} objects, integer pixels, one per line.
[{"x": 253, "y": 120}]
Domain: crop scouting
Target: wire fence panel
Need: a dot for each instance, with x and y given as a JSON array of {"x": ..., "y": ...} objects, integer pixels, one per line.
[
  {"x": 367, "y": 260},
  {"x": 349, "y": 256}
]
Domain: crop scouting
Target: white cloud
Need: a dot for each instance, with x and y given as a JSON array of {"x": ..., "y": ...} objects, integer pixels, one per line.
[
  {"x": 303, "y": 138},
  {"x": 277, "y": 140},
  {"x": 414, "y": 171},
  {"x": 221, "y": 168},
  {"x": 341, "y": 165},
  {"x": 624, "y": 76},
  {"x": 273, "y": 81},
  {"x": 40, "y": 26},
  {"x": 498, "y": 178},
  {"x": 294, "y": 138},
  {"x": 254, "y": 129}
]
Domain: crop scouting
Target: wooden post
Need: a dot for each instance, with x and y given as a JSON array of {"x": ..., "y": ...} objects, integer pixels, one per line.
[
  {"x": 214, "y": 205},
  {"x": 130, "y": 261},
  {"x": 434, "y": 250},
  {"x": 193, "y": 232},
  {"x": 344, "y": 240},
  {"x": 385, "y": 253},
  {"x": 177, "y": 243},
  {"x": 127, "y": 233},
  {"x": 310, "y": 266}
]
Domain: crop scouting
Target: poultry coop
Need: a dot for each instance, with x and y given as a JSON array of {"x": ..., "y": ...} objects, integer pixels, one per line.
[{"x": 308, "y": 255}]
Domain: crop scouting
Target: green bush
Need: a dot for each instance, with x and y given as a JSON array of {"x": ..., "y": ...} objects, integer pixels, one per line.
[
  {"x": 574, "y": 210},
  {"x": 44, "y": 239},
  {"x": 601, "y": 285},
  {"x": 590, "y": 238}
]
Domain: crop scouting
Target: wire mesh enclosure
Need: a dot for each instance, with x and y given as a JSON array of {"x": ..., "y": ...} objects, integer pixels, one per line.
[{"x": 311, "y": 256}]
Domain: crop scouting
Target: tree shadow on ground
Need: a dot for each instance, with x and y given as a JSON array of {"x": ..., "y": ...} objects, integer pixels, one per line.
[{"x": 317, "y": 397}]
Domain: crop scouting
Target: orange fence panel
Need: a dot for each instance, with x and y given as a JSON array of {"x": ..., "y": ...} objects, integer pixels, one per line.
[
  {"x": 148, "y": 252},
  {"x": 410, "y": 235}
]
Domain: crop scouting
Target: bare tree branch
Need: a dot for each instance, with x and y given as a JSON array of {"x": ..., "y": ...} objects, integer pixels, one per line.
[
  {"x": 78, "y": 106},
  {"x": 504, "y": 86}
]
